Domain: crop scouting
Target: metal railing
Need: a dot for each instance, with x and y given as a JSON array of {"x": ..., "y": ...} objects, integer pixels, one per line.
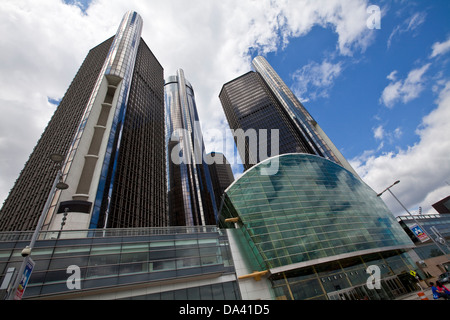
[{"x": 8, "y": 236}]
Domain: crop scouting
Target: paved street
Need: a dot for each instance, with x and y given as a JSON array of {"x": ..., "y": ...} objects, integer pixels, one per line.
[{"x": 415, "y": 296}]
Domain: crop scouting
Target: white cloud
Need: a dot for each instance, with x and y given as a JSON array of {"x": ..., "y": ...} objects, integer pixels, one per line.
[
  {"x": 382, "y": 135},
  {"x": 391, "y": 93},
  {"x": 392, "y": 76},
  {"x": 397, "y": 133},
  {"x": 440, "y": 48},
  {"x": 422, "y": 167},
  {"x": 41, "y": 47},
  {"x": 315, "y": 79},
  {"x": 44, "y": 42},
  {"x": 416, "y": 20},
  {"x": 378, "y": 133},
  {"x": 346, "y": 17},
  {"x": 409, "y": 25},
  {"x": 404, "y": 90}
]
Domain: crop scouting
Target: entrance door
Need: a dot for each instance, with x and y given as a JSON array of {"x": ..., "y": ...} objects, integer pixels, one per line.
[
  {"x": 395, "y": 286},
  {"x": 390, "y": 288},
  {"x": 354, "y": 293}
]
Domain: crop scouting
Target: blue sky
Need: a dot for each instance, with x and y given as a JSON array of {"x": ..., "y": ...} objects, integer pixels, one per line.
[
  {"x": 381, "y": 95},
  {"x": 348, "y": 101},
  {"x": 353, "y": 96},
  {"x": 82, "y": 4}
]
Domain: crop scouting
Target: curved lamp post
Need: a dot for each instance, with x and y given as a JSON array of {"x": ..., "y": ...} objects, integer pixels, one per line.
[
  {"x": 26, "y": 252},
  {"x": 412, "y": 216}
]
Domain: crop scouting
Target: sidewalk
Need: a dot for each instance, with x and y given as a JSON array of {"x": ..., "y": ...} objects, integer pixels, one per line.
[{"x": 415, "y": 296}]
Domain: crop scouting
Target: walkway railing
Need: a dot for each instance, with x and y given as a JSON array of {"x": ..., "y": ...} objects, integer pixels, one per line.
[{"x": 102, "y": 233}]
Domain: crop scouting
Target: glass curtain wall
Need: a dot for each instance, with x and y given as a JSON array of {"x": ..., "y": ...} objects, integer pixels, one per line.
[
  {"x": 121, "y": 257},
  {"x": 190, "y": 191},
  {"x": 346, "y": 279},
  {"x": 310, "y": 209}
]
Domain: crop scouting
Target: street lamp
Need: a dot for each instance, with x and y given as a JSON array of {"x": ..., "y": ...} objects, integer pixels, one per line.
[
  {"x": 58, "y": 159},
  {"x": 26, "y": 252},
  {"x": 412, "y": 216},
  {"x": 389, "y": 189},
  {"x": 379, "y": 195}
]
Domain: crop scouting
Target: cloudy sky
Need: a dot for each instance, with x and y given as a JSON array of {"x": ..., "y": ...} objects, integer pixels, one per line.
[{"x": 381, "y": 91}]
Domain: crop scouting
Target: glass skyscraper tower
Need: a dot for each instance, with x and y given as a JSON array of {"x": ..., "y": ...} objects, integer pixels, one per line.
[
  {"x": 190, "y": 191},
  {"x": 221, "y": 175},
  {"x": 261, "y": 100},
  {"x": 110, "y": 128}
]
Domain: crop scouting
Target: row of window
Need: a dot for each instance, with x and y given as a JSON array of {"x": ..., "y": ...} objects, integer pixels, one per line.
[
  {"x": 315, "y": 282},
  {"x": 219, "y": 291}
]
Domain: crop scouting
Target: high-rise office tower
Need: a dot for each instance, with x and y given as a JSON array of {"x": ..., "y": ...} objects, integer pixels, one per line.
[
  {"x": 191, "y": 196},
  {"x": 110, "y": 128},
  {"x": 261, "y": 100},
  {"x": 221, "y": 175}
]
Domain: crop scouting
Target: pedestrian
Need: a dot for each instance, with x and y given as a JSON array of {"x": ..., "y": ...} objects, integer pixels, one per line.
[
  {"x": 441, "y": 287},
  {"x": 438, "y": 291}
]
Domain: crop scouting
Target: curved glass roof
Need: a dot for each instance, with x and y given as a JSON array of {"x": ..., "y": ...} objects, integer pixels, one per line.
[{"x": 310, "y": 210}]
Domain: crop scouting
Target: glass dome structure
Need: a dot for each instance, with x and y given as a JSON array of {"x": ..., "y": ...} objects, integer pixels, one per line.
[{"x": 310, "y": 211}]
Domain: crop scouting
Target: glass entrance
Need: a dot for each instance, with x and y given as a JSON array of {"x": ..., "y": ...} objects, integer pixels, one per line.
[{"x": 390, "y": 289}]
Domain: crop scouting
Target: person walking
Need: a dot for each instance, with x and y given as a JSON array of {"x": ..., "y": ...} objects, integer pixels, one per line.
[
  {"x": 439, "y": 291},
  {"x": 441, "y": 287}
]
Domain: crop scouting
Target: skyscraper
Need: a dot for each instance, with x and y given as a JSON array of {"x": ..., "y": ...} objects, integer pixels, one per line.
[
  {"x": 261, "y": 100},
  {"x": 191, "y": 196},
  {"x": 221, "y": 175},
  {"x": 110, "y": 128}
]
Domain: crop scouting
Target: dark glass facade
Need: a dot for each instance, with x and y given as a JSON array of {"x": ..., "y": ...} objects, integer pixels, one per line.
[
  {"x": 135, "y": 180},
  {"x": 345, "y": 279},
  {"x": 428, "y": 249},
  {"x": 116, "y": 259},
  {"x": 300, "y": 119},
  {"x": 110, "y": 128},
  {"x": 249, "y": 105},
  {"x": 260, "y": 100},
  {"x": 311, "y": 209},
  {"x": 316, "y": 228},
  {"x": 221, "y": 291},
  {"x": 24, "y": 204},
  {"x": 221, "y": 175},
  {"x": 427, "y": 221},
  {"x": 190, "y": 191}
]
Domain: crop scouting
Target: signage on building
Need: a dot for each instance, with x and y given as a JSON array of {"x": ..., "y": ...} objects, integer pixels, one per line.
[
  {"x": 419, "y": 233},
  {"x": 25, "y": 277}
]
